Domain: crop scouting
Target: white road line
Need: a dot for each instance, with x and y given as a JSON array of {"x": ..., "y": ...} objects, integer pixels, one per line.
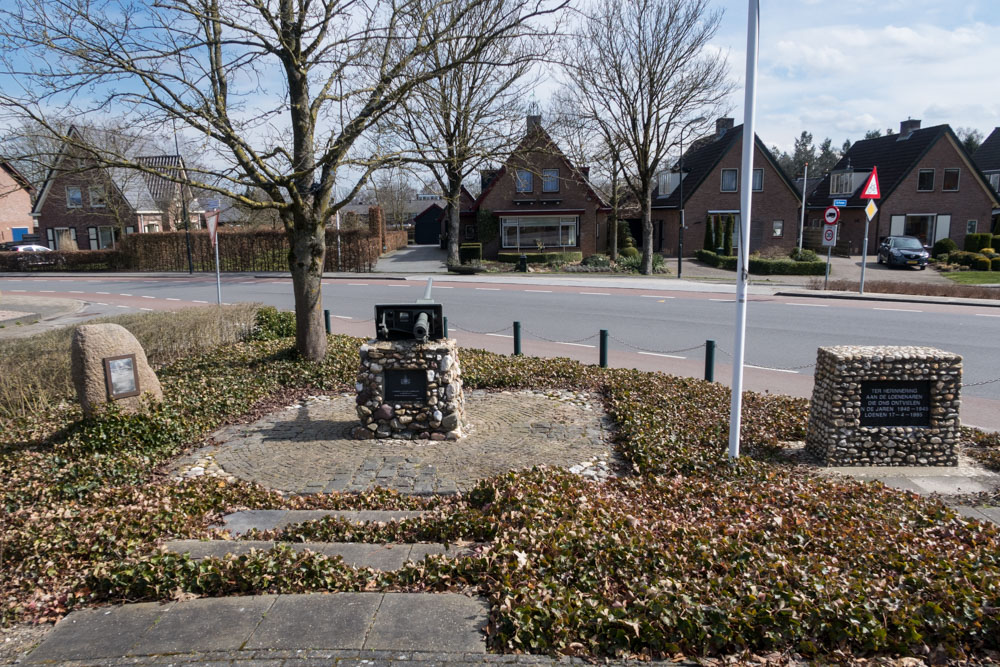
[
  {"x": 75, "y": 291},
  {"x": 197, "y": 301},
  {"x": 98, "y": 303},
  {"x": 399, "y": 285},
  {"x": 809, "y": 305},
  {"x": 120, "y": 306},
  {"x": 597, "y": 293},
  {"x": 900, "y": 310},
  {"x": 47, "y": 291},
  {"x": 124, "y": 295},
  {"x": 359, "y": 284},
  {"x": 148, "y": 297},
  {"x": 488, "y": 289},
  {"x": 495, "y": 335},
  {"x": 104, "y": 292},
  {"x": 443, "y": 287},
  {"x": 724, "y": 300},
  {"x": 539, "y": 291},
  {"x": 343, "y": 317},
  {"x": 776, "y": 370},
  {"x": 150, "y": 309},
  {"x": 657, "y": 354},
  {"x": 977, "y": 314},
  {"x": 575, "y": 344},
  {"x": 18, "y": 290},
  {"x": 172, "y": 298},
  {"x": 655, "y": 296}
]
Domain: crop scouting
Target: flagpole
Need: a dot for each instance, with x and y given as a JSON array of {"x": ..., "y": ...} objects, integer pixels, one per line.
[{"x": 746, "y": 190}]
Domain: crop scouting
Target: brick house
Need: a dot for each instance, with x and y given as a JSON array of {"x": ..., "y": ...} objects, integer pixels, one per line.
[
  {"x": 929, "y": 184},
  {"x": 538, "y": 198},
  {"x": 86, "y": 207},
  {"x": 987, "y": 158},
  {"x": 711, "y": 191},
  {"x": 15, "y": 204}
]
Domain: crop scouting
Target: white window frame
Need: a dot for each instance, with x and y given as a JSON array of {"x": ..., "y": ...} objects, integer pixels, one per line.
[
  {"x": 151, "y": 227},
  {"x": 101, "y": 200},
  {"x": 550, "y": 180},
  {"x": 736, "y": 180},
  {"x": 523, "y": 181},
  {"x": 958, "y": 179},
  {"x": 777, "y": 229},
  {"x": 842, "y": 183},
  {"x": 566, "y": 224},
  {"x": 920, "y": 173},
  {"x": 971, "y": 226},
  {"x": 994, "y": 180},
  {"x": 79, "y": 191},
  {"x": 758, "y": 180}
]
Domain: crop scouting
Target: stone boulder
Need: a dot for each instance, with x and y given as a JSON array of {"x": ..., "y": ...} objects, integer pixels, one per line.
[{"x": 92, "y": 343}]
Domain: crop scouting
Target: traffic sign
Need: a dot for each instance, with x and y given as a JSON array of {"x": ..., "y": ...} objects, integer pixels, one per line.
[
  {"x": 871, "y": 190},
  {"x": 829, "y": 236},
  {"x": 831, "y": 215},
  {"x": 839, "y": 203},
  {"x": 871, "y": 209}
]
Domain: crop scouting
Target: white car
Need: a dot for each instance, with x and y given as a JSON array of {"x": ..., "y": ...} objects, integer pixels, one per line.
[{"x": 31, "y": 248}]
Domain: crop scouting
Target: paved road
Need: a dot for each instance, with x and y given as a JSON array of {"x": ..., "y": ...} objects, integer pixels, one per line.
[{"x": 653, "y": 324}]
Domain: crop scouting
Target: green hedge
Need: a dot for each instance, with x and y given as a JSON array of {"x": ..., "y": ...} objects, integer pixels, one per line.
[
  {"x": 765, "y": 267},
  {"x": 995, "y": 243},
  {"x": 981, "y": 263},
  {"x": 995, "y": 264},
  {"x": 963, "y": 257},
  {"x": 541, "y": 257},
  {"x": 470, "y": 252},
  {"x": 976, "y": 242},
  {"x": 943, "y": 247}
]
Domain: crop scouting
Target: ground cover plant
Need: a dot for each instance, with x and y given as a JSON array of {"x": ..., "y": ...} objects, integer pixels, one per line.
[
  {"x": 974, "y": 277},
  {"x": 900, "y": 287},
  {"x": 688, "y": 555}
]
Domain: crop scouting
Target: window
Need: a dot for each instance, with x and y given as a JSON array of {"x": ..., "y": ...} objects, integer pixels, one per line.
[
  {"x": 995, "y": 181},
  {"x": 729, "y": 179},
  {"x": 129, "y": 230},
  {"x": 153, "y": 227},
  {"x": 522, "y": 180},
  {"x": 778, "y": 228},
  {"x": 970, "y": 226},
  {"x": 950, "y": 181},
  {"x": 74, "y": 196},
  {"x": 550, "y": 180},
  {"x": 842, "y": 183},
  {"x": 96, "y": 193},
  {"x": 758, "y": 180},
  {"x": 529, "y": 231},
  {"x": 925, "y": 180},
  {"x": 470, "y": 232}
]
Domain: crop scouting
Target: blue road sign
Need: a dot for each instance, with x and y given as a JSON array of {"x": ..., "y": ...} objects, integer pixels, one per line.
[{"x": 840, "y": 202}]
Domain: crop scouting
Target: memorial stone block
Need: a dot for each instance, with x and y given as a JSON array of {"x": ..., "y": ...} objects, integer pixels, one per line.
[{"x": 109, "y": 365}]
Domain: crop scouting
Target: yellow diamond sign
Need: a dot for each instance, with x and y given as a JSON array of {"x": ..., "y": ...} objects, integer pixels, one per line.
[{"x": 871, "y": 209}]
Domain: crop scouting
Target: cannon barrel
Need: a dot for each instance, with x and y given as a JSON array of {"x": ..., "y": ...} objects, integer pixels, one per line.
[{"x": 422, "y": 328}]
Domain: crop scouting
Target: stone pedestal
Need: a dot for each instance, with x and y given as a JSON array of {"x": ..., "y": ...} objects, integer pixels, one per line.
[
  {"x": 92, "y": 345},
  {"x": 411, "y": 390},
  {"x": 885, "y": 406}
]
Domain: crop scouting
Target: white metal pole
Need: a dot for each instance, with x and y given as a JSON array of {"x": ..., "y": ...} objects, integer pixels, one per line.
[
  {"x": 218, "y": 277},
  {"x": 864, "y": 257},
  {"x": 746, "y": 189},
  {"x": 802, "y": 218}
]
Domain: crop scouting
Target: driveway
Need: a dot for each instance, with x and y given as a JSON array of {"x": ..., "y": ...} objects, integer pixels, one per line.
[{"x": 414, "y": 259}]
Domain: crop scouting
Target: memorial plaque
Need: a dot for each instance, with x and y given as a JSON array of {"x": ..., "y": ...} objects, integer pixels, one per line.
[
  {"x": 121, "y": 376},
  {"x": 406, "y": 385},
  {"x": 896, "y": 403}
]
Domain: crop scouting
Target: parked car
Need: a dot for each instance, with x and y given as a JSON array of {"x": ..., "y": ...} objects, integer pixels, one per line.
[
  {"x": 30, "y": 247},
  {"x": 903, "y": 251},
  {"x": 35, "y": 255}
]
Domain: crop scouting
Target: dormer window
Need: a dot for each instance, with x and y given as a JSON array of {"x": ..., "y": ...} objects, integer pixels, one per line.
[
  {"x": 74, "y": 196},
  {"x": 758, "y": 180},
  {"x": 550, "y": 180},
  {"x": 730, "y": 178},
  {"x": 97, "y": 199},
  {"x": 925, "y": 180},
  {"x": 950, "y": 181},
  {"x": 522, "y": 181},
  {"x": 842, "y": 183},
  {"x": 667, "y": 182}
]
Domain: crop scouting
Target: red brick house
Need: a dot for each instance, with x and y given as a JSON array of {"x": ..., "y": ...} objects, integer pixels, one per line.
[
  {"x": 86, "y": 207},
  {"x": 987, "y": 158},
  {"x": 15, "y": 204},
  {"x": 711, "y": 191},
  {"x": 929, "y": 184},
  {"x": 538, "y": 199}
]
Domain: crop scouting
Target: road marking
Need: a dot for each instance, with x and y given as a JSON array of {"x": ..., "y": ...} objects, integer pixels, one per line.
[
  {"x": 359, "y": 284},
  {"x": 197, "y": 301},
  {"x": 47, "y": 291},
  {"x": 442, "y": 287},
  {"x": 655, "y": 296},
  {"x": 724, "y": 300},
  {"x": 597, "y": 293},
  {"x": 104, "y": 292},
  {"x": 148, "y": 297},
  {"x": 776, "y": 370},
  {"x": 657, "y": 354},
  {"x": 343, "y": 317},
  {"x": 539, "y": 291},
  {"x": 18, "y": 290},
  {"x": 810, "y": 305},
  {"x": 399, "y": 285},
  {"x": 172, "y": 298},
  {"x": 146, "y": 309},
  {"x": 75, "y": 291},
  {"x": 124, "y": 295},
  {"x": 98, "y": 303},
  {"x": 489, "y": 289},
  {"x": 575, "y": 344},
  {"x": 120, "y": 306},
  {"x": 496, "y": 335},
  {"x": 900, "y": 310},
  {"x": 977, "y": 314}
]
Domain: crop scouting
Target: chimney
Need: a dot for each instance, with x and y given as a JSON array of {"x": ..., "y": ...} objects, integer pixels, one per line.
[
  {"x": 533, "y": 123},
  {"x": 585, "y": 171},
  {"x": 721, "y": 125},
  {"x": 486, "y": 177},
  {"x": 908, "y": 126}
]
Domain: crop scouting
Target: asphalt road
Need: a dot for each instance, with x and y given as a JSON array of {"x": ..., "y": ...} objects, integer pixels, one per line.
[{"x": 657, "y": 329}]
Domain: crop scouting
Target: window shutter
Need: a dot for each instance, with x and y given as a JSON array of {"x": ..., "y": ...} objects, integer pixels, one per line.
[
  {"x": 896, "y": 225},
  {"x": 943, "y": 228},
  {"x": 52, "y": 238},
  {"x": 92, "y": 235}
]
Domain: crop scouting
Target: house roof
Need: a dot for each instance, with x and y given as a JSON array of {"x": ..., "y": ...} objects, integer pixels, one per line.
[
  {"x": 702, "y": 159},
  {"x": 17, "y": 176},
  {"x": 895, "y": 156},
  {"x": 987, "y": 157}
]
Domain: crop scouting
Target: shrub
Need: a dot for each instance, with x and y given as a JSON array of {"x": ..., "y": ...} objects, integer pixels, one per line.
[
  {"x": 944, "y": 246},
  {"x": 962, "y": 257},
  {"x": 804, "y": 255},
  {"x": 541, "y": 257},
  {"x": 995, "y": 243},
  {"x": 272, "y": 324},
  {"x": 995, "y": 264},
  {"x": 629, "y": 252},
  {"x": 980, "y": 263},
  {"x": 989, "y": 252},
  {"x": 596, "y": 260},
  {"x": 727, "y": 239},
  {"x": 976, "y": 242},
  {"x": 785, "y": 267},
  {"x": 710, "y": 236},
  {"x": 470, "y": 252},
  {"x": 633, "y": 263}
]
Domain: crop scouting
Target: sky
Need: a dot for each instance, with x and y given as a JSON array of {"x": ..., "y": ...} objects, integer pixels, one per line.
[{"x": 838, "y": 68}]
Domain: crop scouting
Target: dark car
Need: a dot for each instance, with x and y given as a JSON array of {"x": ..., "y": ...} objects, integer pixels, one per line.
[{"x": 903, "y": 251}]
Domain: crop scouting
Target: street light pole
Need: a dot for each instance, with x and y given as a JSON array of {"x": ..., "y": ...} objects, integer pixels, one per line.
[{"x": 680, "y": 185}]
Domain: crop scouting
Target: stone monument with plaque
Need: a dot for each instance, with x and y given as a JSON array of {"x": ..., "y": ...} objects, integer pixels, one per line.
[
  {"x": 409, "y": 380},
  {"x": 885, "y": 406},
  {"x": 110, "y": 366}
]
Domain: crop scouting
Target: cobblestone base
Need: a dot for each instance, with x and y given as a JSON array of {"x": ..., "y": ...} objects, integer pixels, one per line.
[{"x": 308, "y": 448}]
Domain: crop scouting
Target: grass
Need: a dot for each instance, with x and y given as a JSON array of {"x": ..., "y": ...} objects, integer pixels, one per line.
[
  {"x": 973, "y": 277},
  {"x": 901, "y": 287},
  {"x": 35, "y": 371}
]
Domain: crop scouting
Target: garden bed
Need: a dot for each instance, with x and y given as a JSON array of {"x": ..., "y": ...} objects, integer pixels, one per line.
[{"x": 690, "y": 555}]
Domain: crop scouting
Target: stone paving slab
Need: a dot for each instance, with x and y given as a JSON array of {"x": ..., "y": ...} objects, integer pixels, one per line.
[
  {"x": 211, "y": 628},
  {"x": 384, "y": 557},
  {"x": 240, "y": 523}
]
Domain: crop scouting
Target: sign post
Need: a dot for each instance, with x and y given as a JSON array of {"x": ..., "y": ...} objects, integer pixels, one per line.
[
  {"x": 829, "y": 241},
  {"x": 212, "y": 219},
  {"x": 870, "y": 191}
]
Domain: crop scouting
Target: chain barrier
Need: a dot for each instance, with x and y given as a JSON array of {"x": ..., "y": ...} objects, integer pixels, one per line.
[
  {"x": 777, "y": 368},
  {"x": 452, "y": 325},
  {"x": 552, "y": 340},
  {"x": 980, "y": 384},
  {"x": 643, "y": 349}
]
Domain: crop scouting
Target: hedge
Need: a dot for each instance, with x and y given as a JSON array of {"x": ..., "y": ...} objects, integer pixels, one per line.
[
  {"x": 976, "y": 242},
  {"x": 765, "y": 267},
  {"x": 541, "y": 257},
  {"x": 470, "y": 252},
  {"x": 995, "y": 264},
  {"x": 980, "y": 263},
  {"x": 62, "y": 260},
  {"x": 995, "y": 242}
]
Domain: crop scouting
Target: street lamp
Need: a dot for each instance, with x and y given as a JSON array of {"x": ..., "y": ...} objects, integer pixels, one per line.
[{"x": 680, "y": 185}]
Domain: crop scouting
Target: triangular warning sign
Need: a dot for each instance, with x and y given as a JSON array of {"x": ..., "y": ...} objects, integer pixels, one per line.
[{"x": 871, "y": 191}]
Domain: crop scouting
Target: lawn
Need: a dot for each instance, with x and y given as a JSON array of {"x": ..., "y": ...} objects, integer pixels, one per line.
[
  {"x": 690, "y": 555},
  {"x": 973, "y": 277}
]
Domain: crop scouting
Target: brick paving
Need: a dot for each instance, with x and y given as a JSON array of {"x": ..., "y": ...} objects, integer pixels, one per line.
[{"x": 308, "y": 448}]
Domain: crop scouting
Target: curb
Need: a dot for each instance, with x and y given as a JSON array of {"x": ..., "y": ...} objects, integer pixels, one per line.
[{"x": 898, "y": 298}]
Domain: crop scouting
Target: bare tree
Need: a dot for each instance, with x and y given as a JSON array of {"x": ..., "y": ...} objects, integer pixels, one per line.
[
  {"x": 466, "y": 118},
  {"x": 639, "y": 70},
  {"x": 281, "y": 92},
  {"x": 391, "y": 189}
]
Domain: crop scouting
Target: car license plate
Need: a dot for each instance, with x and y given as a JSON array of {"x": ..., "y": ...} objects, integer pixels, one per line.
[{"x": 912, "y": 261}]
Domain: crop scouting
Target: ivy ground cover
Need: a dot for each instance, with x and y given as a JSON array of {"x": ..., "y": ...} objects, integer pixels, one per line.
[{"x": 689, "y": 555}]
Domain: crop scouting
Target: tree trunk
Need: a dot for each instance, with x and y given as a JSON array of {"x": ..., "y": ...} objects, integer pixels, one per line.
[
  {"x": 454, "y": 216},
  {"x": 306, "y": 257},
  {"x": 613, "y": 219},
  {"x": 647, "y": 232}
]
